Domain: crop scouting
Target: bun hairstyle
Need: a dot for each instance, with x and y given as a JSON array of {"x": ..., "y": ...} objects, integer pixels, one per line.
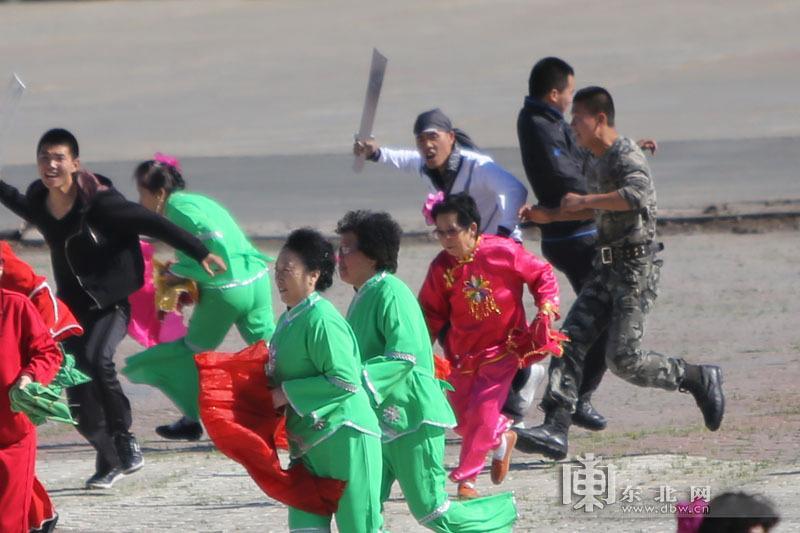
[
  {"x": 315, "y": 252},
  {"x": 161, "y": 172}
]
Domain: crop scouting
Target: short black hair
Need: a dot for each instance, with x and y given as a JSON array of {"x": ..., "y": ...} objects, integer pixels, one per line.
[
  {"x": 596, "y": 100},
  {"x": 154, "y": 175},
  {"x": 548, "y": 74},
  {"x": 378, "y": 236},
  {"x": 315, "y": 252},
  {"x": 59, "y": 136},
  {"x": 463, "y": 205},
  {"x": 737, "y": 512}
]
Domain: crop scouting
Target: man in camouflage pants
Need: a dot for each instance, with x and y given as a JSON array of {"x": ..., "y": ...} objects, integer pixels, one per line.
[{"x": 623, "y": 285}]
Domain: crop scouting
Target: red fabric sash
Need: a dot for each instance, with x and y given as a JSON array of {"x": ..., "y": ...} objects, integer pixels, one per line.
[
  {"x": 530, "y": 346},
  {"x": 236, "y": 409}
]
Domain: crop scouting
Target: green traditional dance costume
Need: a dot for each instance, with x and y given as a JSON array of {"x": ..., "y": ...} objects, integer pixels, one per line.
[
  {"x": 413, "y": 410},
  {"x": 240, "y": 296},
  {"x": 331, "y": 427}
]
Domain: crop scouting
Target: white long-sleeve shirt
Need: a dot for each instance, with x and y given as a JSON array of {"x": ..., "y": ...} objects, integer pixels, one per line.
[{"x": 497, "y": 193}]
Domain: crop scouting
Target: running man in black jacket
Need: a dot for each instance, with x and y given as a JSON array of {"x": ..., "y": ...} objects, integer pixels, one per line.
[
  {"x": 554, "y": 164},
  {"x": 93, "y": 235}
]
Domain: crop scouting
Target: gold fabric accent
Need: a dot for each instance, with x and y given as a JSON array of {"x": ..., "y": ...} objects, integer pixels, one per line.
[
  {"x": 168, "y": 295},
  {"x": 549, "y": 308}
]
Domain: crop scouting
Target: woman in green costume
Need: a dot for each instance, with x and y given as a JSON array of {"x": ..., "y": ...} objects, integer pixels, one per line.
[
  {"x": 315, "y": 369},
  {"x": 399, "y": 375},
  {"x": 239, "y": 297}
]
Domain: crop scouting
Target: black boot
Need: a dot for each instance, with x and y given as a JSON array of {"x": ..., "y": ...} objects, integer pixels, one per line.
[
  {"x": 704, "y": 382},
  {"x": 587, "y": 417},
  {"x": 549, "y": 439},
  {"x": 183, "y": 429}
]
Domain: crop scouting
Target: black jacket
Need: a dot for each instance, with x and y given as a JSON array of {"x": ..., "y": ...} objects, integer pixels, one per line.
[
  {"x": 94, "y": 248},
  {"x": 553, "y": 161}
]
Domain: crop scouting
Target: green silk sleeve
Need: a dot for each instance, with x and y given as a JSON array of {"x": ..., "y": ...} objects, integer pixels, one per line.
[
  {"x": 382, "y": 373},
  {"x": 333, "y": 352}
]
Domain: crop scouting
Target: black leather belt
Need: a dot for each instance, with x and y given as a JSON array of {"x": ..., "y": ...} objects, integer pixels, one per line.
[{"x": 609, "y": 254}]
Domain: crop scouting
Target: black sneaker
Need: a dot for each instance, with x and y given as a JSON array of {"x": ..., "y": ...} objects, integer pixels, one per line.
[
  {"x": 183, "y": 429},
  {"x": 130, "y": 455},
  {"x": 104, "y": 480}
]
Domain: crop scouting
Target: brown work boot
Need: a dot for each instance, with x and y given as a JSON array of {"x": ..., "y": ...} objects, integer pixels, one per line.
[
  {"x": 500, "y": 466},
  {"x": 466, "y": 490}
]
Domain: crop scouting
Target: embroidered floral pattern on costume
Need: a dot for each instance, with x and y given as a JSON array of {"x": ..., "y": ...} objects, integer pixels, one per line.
[
  {"x": 478, "y": 292},
  {"x": 391, "y": 414}
]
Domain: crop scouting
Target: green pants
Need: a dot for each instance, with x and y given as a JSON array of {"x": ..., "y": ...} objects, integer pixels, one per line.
[
  {"x": 416, "y": 461},
  {"x": 170, "y": 366},
  {"x": 354, "y": 457}
]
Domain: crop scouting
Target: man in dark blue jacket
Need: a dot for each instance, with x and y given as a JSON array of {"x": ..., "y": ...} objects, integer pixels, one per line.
[{"x": 554, "y": 164}]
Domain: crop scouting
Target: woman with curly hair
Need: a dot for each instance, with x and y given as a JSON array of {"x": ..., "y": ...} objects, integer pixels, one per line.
[
  {"x": 315, "y": 370},
  {"x": 399, "y": 373}
]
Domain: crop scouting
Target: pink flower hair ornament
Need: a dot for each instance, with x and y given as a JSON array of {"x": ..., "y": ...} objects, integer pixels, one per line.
[
  {"x": 430, "y": 203},
  {"x": 168, "y": 160}
]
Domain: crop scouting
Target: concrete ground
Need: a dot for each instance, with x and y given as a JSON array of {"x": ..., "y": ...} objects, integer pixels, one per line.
[{"x": 727, "y": 299}]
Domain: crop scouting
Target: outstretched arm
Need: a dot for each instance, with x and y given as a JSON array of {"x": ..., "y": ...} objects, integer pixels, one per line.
[
  {"x": 14, "y": 200},
  {"x": 129, "y": 217},
  {"x": 610, "y": 201},
  {"x": 547, "y": 215},
  {"x": 406, "y": 160}
]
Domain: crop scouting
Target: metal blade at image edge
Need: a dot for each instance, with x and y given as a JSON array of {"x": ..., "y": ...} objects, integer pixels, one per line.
[{"x": 377, "y": 70}]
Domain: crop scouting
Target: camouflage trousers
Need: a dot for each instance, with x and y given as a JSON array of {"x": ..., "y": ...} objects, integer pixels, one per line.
[{"x": 616, "y": 301}]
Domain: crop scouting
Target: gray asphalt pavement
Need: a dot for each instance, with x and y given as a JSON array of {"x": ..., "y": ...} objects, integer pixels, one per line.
[
  {"x": 253, "y": 94},
  {"x": 272, "y": 194},
  {"x": 252, "y": 77}
]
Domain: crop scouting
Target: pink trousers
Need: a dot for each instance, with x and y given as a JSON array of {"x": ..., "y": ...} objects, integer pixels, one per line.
[{"x": 477, "y": 401}]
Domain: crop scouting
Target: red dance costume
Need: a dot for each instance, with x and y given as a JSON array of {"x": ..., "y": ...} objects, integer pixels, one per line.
[
  {"x": 26, "y": 346},
  {"x": 480, "y": 298},
  {"x": 18, "y": 276}
]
